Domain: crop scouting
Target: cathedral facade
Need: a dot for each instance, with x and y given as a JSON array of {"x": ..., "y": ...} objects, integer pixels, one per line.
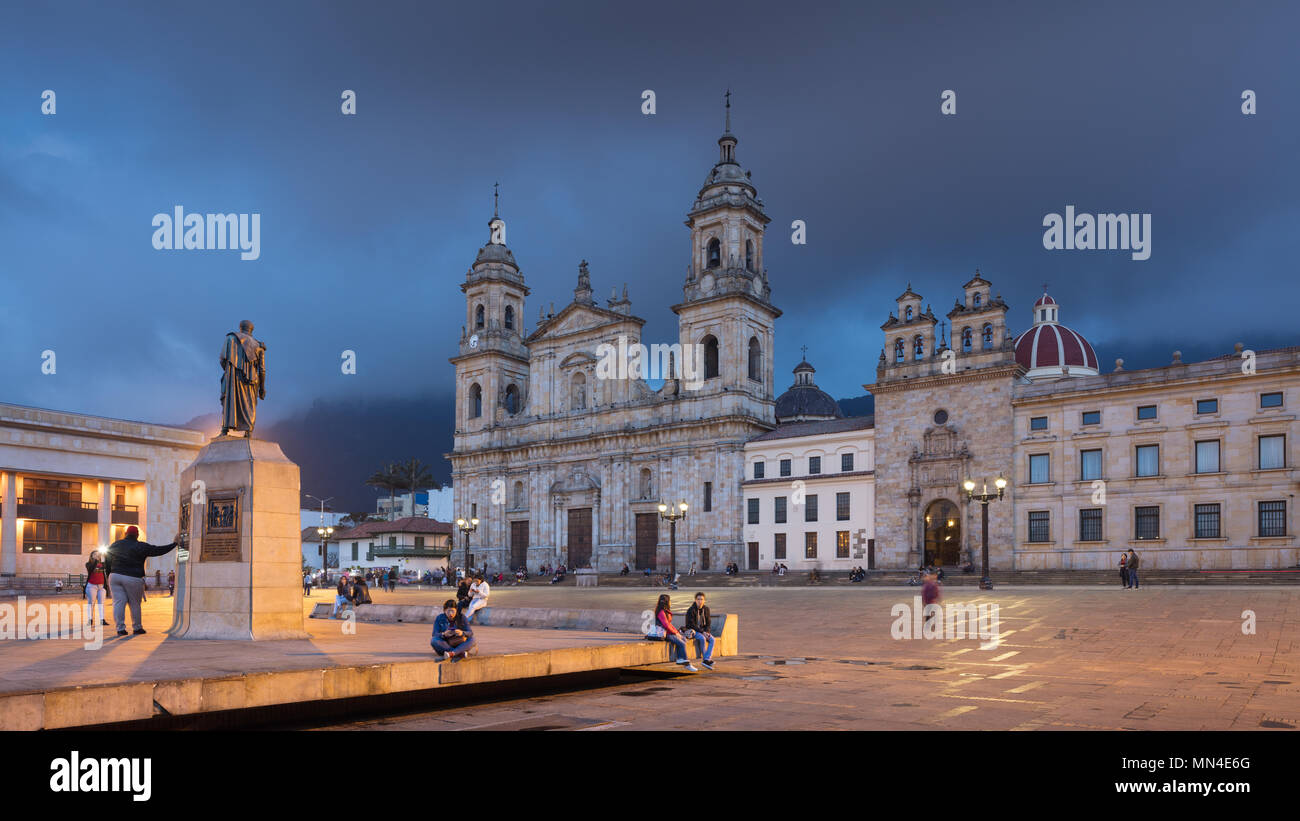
[{"x": 565, "y": 461}]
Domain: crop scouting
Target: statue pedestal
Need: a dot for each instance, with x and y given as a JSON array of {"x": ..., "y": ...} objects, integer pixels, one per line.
[{"x": 243, "y": 575}]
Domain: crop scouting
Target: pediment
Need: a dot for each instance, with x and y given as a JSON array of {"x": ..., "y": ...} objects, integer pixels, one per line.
[{"x": 578, "y": 317}]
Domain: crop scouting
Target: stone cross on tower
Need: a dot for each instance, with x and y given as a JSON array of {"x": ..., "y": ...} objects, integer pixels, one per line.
[
  {"x": 495, "y": 187},
  {"x": 805, "y": 352}
]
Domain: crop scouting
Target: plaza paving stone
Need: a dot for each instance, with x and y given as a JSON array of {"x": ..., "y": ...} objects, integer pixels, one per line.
[{"x": 1159, "y": 658}]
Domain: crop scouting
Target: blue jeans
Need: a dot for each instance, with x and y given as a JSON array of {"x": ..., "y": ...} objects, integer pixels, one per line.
[
  {"x": 1133, "y": 576},
  {"x": 704, "y": 644},
  {"x": 679, "y": 646},
  {"x": 442, "y": 647}
]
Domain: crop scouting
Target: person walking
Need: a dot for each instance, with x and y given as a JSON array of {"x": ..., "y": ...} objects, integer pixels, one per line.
[
  {"x": 306, "y": 584},
  {"x": 1123, "y": 569},
  {"x": 171, "y": 583},
  {"x": 697, "y": 627},
  {"x": 1133, "y": 568},
  {"x": 662, "y": 628},
  {"x": 392, "y": 580},
  {"x": 452, "y": 635},
  {"x": 125, "y": 569}
]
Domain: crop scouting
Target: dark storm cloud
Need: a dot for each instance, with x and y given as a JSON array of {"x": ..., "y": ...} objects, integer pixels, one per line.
[{"x": 369, "y": 222}]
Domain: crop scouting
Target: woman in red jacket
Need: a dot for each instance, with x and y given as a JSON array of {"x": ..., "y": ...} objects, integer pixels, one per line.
[
  {"x": 96, "y": 583},
  {"x": 664, "y": 621}
]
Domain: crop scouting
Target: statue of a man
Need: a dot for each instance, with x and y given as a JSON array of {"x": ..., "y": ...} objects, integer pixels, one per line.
[{"x": 243, "y": 379}]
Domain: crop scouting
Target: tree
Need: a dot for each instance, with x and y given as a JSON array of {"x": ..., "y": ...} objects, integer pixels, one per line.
[
  {"x": 355, "y": 519},
  {"x": 416, "y": 476},
  {"x": 387, "y": 478}
]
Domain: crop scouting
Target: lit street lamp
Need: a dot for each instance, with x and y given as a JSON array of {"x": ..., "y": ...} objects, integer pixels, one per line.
[
  {"x": 324, "y": 547},
  {"x": 671, "y": 515},
  {"x": 467, "y": 527},
  {"x": 984, "y": 497}
]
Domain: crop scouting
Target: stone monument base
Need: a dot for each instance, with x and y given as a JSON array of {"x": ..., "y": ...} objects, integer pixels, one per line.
[{"x": 242, "y": 578}]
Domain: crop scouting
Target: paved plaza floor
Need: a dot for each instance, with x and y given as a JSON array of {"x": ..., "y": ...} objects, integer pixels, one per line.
[{"x": 1159, "y": 658}]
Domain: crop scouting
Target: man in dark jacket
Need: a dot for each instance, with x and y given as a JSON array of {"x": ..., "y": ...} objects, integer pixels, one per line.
[
  {"x": 125, "y": 566},
  {"x": 697, "y": 627}
]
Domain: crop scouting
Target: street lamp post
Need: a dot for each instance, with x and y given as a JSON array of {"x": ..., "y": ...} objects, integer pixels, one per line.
[
  {"x": 467, "y": 526},
  {"x": 671, "y": 515},
  {"x": 984, "y": 497},
  {"x": 324, "y": 545}
]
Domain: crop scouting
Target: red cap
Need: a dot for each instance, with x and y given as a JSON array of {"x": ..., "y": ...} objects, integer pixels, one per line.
[{"x": 133, "y": 532}]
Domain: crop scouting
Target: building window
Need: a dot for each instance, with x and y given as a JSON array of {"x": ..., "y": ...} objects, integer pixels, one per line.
[
  {"x": 810, "y": 545},
  {"x": 1089, "y": 465},
  {"x": 908, "y": 315},
  {"x": 841, "y": 544},
  {"x": 846, "y": 462},
  {"x": 647, "y": 484},
  {"x": 1272, "y": 452},
  {"x": 708, "y": 496},
  {"x": 1207, "y": 521},
  {"x": 988, "y": 337},
  {"x": 778, "y": 510},
  {"x": 918, "y": 347},
  {"x": 1207, "y": 406},
  {"x": 1038, "y": 423},
  {"x": 1040, "y": 529},
  {"x": 1146, "y": 412},
  {"x": 749, "y": 255},
  {"x": 1092, "y": 417},
  {"x": 355, "y": 551},
  {"x": 814, "y": 464},
  {"x": 1148, "y": 460},
  {"x": 785, "y": 467},
  {"x": 512, "y": 400},
  {"x": 392, "y": 541},
  {"x": 51, "y": 492},
  {"x": 810, "y": 508},
  {"x": 50, "y": 537},
  {"x": 1270, "y": 400},
  {"x": 778, "y": 545},
  {"x": 475, "y": 401},
  {"x": 510, "y": 318},
  {"x": 1040, "y": 468},
  {"x": 898, "y": 350},
  {"x": 760, "y": 470},
  {"x": 755, "y": 360},
  {"x": 967, "y": 340},
  {"x": 1207, "y": 456},
  {"x": 842, "y": 507},
  {"x": 478, "y": 318},
  {"x": 978, "y": 299},
  {"x": 715, "y": 254},
  {"x": 1090, "y": 525},
  {"x": 419, "y": 541},
  {"x": 1272, "y": 519},
  {"x": 710, "y": 356},
  {"x": 753, "y": 511},
  {"x": 119, "y": 497},
  {"x": 1146, "y": 522}
]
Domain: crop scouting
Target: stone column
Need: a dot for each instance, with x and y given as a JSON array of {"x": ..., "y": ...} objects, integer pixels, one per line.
[
  {"x": 105, "y": 525},
  {"x": 9, "y": 526}
]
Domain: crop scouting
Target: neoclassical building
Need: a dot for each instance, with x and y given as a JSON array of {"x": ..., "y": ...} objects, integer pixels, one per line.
[
  {"x": 1189, "y": 463},
  {"x": 562, "y": 460}
]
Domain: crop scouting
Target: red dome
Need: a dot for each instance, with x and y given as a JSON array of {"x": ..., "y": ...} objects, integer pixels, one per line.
[
  {"x": 1051, "y": 345},
  {"x": 1044, "y": 300}
]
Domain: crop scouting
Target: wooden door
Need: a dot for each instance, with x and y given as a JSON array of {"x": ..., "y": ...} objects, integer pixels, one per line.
[
  {"x": 647, "y": 540},
  {"x": 579, "y": 537},
  {"x": 518, "y": 544},
  {"x": 753, "y": 555}
]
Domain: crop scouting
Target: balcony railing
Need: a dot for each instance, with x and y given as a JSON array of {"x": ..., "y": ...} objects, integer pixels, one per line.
[
  {"x": 411, "y": 552},
  {"x": 60, "y": 511}
]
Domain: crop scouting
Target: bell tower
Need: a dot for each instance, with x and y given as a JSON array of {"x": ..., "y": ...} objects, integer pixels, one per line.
[
  {"x": 492, "y": 364},
  {"x": 726, "y": 307}
]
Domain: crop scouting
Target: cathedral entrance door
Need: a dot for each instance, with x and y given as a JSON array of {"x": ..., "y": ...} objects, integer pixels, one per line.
[
  {"x": 518, "y": 544},
  {"x": 942, "y": 534},
  {"x": 579, "y": 537},
  {"x": 647, "y": 540}
]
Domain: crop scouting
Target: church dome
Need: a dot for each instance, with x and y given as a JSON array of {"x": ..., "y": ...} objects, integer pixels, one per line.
[
  {"x": 1049, "y": 349},
  {"x": 804, "y": 401}
]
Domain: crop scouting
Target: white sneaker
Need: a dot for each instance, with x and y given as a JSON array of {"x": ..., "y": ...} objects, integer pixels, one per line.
[{"x": 692, "y": 667}]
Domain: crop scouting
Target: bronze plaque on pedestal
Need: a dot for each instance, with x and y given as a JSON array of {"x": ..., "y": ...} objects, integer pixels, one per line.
[{"x": 221, "y": 531}]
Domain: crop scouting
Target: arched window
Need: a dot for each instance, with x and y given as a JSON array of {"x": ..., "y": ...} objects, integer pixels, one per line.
[
  {"x": 519, "y": 495},
  {"x": 909, "y": 313},
  {"x": 749, "y": 255},
  {"x": 578, "y": 391},
  {"x": 898, "y": 350},
  {"x": 478, "y": 317},
  {"x": 710, "y": 356},
  {"x": 967, "y": 340},
  {"x": 755, "y": 360},
  {"x": 918, "y": 347},
  {"x": 647, "y": 484},
  {"x": 988, "y": 337},
  {"x": 715, "y": 254},
  {"x": 977, "y": 300},
  {"x": 475, "y": 401},
  {"x": 510, "y": 318},
  {"x": 512, "y": 400}
]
